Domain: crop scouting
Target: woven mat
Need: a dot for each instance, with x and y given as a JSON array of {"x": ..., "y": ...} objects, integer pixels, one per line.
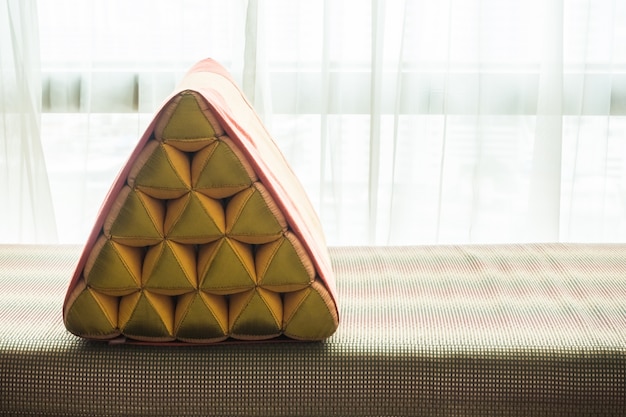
[{"x": 434, "y": 330}]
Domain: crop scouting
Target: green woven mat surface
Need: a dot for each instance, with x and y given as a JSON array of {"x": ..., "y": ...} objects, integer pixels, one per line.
[{"x": 433, "y": 330}]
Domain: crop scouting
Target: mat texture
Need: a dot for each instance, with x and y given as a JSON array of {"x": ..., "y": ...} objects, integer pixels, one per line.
[{"x": 511, "y": 330}]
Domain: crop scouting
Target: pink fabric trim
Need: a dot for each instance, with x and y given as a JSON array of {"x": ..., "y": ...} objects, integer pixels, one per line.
[{"x": 300, "y": 215}]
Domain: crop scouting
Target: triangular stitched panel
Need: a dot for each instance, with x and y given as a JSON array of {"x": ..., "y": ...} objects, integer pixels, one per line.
[
  {"x": 206, "y": 235},
  {"x": 187, "y": 124},
  {"x": 135, "y": 219},
  {"x": 220, "y": 170},
  {"x": 226, "y": 267},
  {"x": 170, "y": 268},
  {"x": 202, "y": 317},
  {"x": 93, "y": 313},
  {"x": 161, "y": 171},
  {"x": 253, "y": 217},
  {"x": 194, "y": 218},
  {"x": 255, "y": 315},
  {"x": 306, "y": 314},
  {"x": 283, "y": 265},
  {"x": 147, "y": 316},
  {"x": 114, "y": 269}
]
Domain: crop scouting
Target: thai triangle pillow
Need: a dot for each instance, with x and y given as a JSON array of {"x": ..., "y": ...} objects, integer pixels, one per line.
[{"x": 206, "y": 234}]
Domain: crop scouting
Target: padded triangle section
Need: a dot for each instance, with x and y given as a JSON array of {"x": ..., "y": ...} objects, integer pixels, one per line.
[
  {"x": 252, "y": 216},
  {"x": 161, "y": 171},
  {"x": 92, "y": 314},
  {"x": 135, "y": 219},
  {"x": 186, "y": 123},
  {"x": 255, "y": 315},
  {"x": 195, "y": 219},
  {"x": 226, "y": 267},
  {"x": 170, "y": 269},
  {"x": 220, "y": 170},
  {"x": 147, "y": 316},
  {"x": 283, "y": 265},
  {"x": 201, "y": 317},
  {"x": 113, "y": 269},
  {"x": 309, "y": 314}
]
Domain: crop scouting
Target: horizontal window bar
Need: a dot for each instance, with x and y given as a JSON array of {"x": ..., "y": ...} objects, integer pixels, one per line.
[{"x": 349, "y": 92}]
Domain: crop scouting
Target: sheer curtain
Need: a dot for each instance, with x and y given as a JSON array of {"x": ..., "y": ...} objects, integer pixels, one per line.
[
  {"x": 26, "y": 210},
  {"x": 408, "y": 122},
  {"x": 454, "y": 121}
]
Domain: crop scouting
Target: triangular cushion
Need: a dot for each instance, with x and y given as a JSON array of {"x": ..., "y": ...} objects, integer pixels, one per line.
[
  {"x": 206, "y": 234},
  {"x": 253, "y": 217},
  {"x": 187, "y": 124},
  {"x": 283, "y": 265},
  {"x": 161, "y": 171},
  {"x": 194, "y": 218},
  {"x": 169, "y": 268},
  {"x": 307, "y": 316},
  {"x": 135, "y": 219},
  {"x": 226, "y": 267},
  {"x": 148, "y": 316},
  {"x": 114, "y": 269},
  {"x": 93, "y": 313},
  {"x": 255, "y": 315},
  {"x": 220, "y": 170},
  {"x": 201, "y": 317}
]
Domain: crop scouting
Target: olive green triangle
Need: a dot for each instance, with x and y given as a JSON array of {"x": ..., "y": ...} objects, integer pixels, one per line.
[
  {"x": 249, "y": 219},
  {"x": 92, "y": 315},
  {"x": 251, "y": 317},
  {"x": 188, "y": 121},
  {"x": 169, "y": 268},
  {"x": 284, "y": 271},
  {"x": 115, "y": 268},
  {"x": 144, "y": 320},
  {"x": 166, "y": 171},
  {"x": 219, "y": 172},
  {"x": 200, "y": 219},
  {"x": 227, "y": 267},
  {"x": 307, "y": 315},
  {"x": 201, "y": 316},
  {"x": 139, "y": 219}
]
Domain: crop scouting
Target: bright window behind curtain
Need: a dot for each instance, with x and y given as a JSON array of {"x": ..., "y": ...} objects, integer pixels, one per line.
[{"x": 408, "y": 122}]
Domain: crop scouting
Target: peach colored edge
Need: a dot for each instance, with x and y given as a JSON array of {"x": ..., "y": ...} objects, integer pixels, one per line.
[{"x": 315, "y": 248}]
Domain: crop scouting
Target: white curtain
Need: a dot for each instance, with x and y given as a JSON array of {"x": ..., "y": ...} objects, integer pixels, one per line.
[
  {"x": 408, "y": 121},
  {"x": 26, "y": 211}
]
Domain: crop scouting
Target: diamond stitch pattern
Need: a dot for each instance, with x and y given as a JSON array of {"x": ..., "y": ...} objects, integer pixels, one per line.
[{"x": 194, "y": 247}]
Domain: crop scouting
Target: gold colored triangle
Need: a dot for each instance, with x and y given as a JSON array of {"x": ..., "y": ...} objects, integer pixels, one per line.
[
  {"x": 185, "y": 124},
  {"x": 93, "y": 314},
  {"x": 283, "y": 265},
  {"x": 226, "y": 267},
  {"x": 112, "y": 268},
  {"x": 194, "y": 219},
  {"x": 253, "y": 217},
  {"x": 135, "y": 219},
  {"x": 201, "y": 317},
  {"x": 147, "y": 316},
  {"x": 307, "y": 315},
  {"x": 170, "y": 268},
  {"x": 161, "y": 171},
  {"x": 255, "y": 315},
  {"x": 220, "y": 170}
]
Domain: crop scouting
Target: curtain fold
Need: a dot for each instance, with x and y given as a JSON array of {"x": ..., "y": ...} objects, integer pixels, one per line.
[
  {"x": 544, "y": 204},
  {"x": 26, "y": 210},
  {"x": 376, "y": 86}
]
